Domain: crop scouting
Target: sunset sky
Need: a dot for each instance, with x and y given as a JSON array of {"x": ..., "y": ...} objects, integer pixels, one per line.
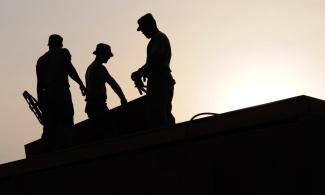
[{"x": 227, "y": 54}]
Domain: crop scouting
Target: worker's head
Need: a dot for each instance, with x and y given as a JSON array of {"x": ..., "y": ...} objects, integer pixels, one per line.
[
  {"x": 103, "y": 52},
  {"x": 147, "y": 25},
  {"x": 55, "y": 41}
]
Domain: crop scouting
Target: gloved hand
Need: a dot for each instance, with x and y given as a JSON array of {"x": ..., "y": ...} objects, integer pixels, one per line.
[
  {"x": 123, "y": 101},
  {"x": 137, "y": 78},
  {"x": 141, "y": 87},
  {"x": 135, "y": 75}
]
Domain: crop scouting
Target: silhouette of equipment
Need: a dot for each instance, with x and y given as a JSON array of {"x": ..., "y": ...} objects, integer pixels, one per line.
[
  {"x": 202, "y": 114},
  {"x": 138, "y": 83},
  {"x": 33, "y": 106}
]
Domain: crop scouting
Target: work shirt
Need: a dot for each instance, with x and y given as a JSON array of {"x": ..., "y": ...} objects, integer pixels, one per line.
[
  {"x": 157, "y": 67},
  {"x": 52, "y": 70},
  {"x": 96, "y": 77},
  {"x": 158, "y": 56}
]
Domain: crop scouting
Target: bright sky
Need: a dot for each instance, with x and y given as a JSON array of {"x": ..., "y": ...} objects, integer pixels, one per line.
[{"x": 227, "y": 54}]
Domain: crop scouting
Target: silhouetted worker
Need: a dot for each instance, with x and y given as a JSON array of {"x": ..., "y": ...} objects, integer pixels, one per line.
[
  {"x": 53, "y": 69},
  {"x": 160, "y": 85},
  {"x": 96, "y": 78}
]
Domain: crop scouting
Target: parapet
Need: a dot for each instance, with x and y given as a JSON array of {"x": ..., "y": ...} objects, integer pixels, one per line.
[{"x": 272, "y": 148}]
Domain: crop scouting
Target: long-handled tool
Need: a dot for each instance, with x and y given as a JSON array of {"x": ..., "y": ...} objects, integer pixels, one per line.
[{"x": 33, "y": 106}]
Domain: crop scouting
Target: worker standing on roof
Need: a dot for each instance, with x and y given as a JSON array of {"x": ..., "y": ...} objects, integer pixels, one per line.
[
  {"x": 96, "y": 78},
  {"x": 53, "y": 69},
  {"x": 160, "y": 85}
]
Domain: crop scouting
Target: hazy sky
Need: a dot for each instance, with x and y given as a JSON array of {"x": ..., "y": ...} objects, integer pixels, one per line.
[{"x": 227, "y": 54}]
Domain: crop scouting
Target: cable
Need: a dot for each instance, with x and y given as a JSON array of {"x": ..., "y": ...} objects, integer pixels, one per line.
[{"x": 203, "y": 113}]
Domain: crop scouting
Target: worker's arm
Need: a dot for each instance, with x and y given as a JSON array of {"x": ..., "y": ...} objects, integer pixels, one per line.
[
  {"x": 155, "y": 56},
  {"x": 40, "y": 87},
  {"x": 73, "y": 73},
  {"x": 116, "y": 88}
]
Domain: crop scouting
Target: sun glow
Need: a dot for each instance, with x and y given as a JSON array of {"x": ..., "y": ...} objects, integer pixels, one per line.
[
  {"x": 266, "y": 77},
  {"x": 257, "y": 91}
]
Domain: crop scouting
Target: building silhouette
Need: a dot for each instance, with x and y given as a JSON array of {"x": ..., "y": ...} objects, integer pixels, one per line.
[{"x": 274, "y": 148}]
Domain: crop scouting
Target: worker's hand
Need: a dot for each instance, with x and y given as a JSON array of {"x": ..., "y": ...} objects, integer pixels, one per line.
[
  {"x": 82, "y": 89},
  {"x": 141, "y": 87},
  {"x": 144, "y": 78},
  {"x": 135, "y": 76},
  {"x": 138, "y": 76},
  {"x": 123, "y": 101},
  {"x": 138, "y": 79}
]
